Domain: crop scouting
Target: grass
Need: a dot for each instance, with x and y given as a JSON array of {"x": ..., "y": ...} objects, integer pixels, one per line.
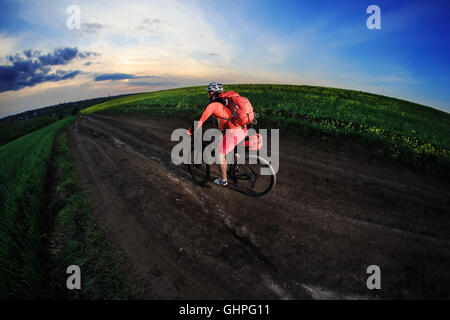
[
  {"x": 10, "y": 131},
  {"x": 11, "y": 128},
  {"x": 392, "y": 129},
  {"x": 28, "y": 209},
  {"x": 22, "y": 179}
]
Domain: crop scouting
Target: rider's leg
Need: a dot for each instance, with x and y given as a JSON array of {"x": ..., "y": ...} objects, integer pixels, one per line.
[
  {"x": 223, "y": 171},
  {"x": 226, "y": 145},
  {"x": 223, "y": 167}
]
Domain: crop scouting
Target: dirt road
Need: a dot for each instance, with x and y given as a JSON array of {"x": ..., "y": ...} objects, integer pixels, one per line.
[{"x": 313, "y": 237}]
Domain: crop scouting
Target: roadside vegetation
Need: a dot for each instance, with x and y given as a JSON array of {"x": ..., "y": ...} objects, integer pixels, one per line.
[
  {"x": 391, "y": 129},
  {"x": 78, "y": 239},
  {"x": 13, "y": 130},
  {"x": 46, "y": 223},
  {"x": 24, "y": 167}
]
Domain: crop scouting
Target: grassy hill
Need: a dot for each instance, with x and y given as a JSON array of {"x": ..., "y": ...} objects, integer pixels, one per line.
[{"x": 394, "y": 129}]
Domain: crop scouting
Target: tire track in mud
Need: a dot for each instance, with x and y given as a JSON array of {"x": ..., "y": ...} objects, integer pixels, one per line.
[
  {"x": 438, "y": 199},
  {"x": 309, "y": 238},
  {"x": 116, "y": 208}
]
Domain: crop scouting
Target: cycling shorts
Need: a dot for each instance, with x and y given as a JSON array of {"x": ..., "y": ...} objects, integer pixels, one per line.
[{"x": 231, "y": 139}]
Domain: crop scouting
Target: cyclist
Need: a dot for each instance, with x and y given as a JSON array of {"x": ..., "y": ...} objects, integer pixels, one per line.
[{"x": 233, "y": 134}]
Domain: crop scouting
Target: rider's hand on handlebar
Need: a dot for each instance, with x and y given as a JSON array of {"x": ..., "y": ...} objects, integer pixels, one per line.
[{"x": 190, "y": 131}]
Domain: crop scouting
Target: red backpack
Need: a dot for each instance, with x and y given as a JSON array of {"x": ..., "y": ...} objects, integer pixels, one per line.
[{"x": 240, "y": 107}]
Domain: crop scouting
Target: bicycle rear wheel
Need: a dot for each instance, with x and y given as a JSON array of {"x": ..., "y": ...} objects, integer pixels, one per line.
[{"x": 248, "y": 176}]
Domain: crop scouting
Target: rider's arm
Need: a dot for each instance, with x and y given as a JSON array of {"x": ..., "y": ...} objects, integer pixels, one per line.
[{"x": 209, "y": 110}]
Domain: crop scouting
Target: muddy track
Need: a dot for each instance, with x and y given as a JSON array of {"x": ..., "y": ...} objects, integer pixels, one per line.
[{"x": 312, "y": 237}]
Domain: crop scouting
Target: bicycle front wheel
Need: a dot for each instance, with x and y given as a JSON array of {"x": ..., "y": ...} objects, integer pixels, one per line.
[
  {"x": 201, "y": 173},
  {"x": 249, "y": 179}
]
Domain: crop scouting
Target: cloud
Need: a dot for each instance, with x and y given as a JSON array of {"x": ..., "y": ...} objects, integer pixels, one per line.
[
  {"x": 59, "y": 56},
  {"x": 151, "y": 84},
  {"x": 119, "y": 76},
  {"x": 161, "y": 37},
  {"x": 88, "y": 54},
  {"x": 32, "y": 67},
  {"x": 113, "y": 76},
  {"x": 8, "y": 45}
]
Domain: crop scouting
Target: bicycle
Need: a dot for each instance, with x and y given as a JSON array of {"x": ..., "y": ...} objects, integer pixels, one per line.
[{"x": 247, "y": 176}]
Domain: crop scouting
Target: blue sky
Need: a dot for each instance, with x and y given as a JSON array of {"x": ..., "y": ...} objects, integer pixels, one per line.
[{"x": 137, "y": 46}]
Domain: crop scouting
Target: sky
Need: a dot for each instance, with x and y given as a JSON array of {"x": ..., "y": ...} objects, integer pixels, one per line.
[{"x": 139, "y": 46}]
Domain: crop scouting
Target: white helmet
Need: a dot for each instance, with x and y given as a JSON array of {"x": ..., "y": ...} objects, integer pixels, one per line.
[{"x": 215, "y": 87}]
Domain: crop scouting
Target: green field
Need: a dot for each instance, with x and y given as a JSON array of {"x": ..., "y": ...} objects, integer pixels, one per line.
[
  {"x": 15, "y": 129},
  {"x": 11, "y": 128},
  {"x": 391, "y": 129},
  {"x": 32, "y": 216},
  {"x": 388, "y": 128},
  {"x": 22, "y": 179}
]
